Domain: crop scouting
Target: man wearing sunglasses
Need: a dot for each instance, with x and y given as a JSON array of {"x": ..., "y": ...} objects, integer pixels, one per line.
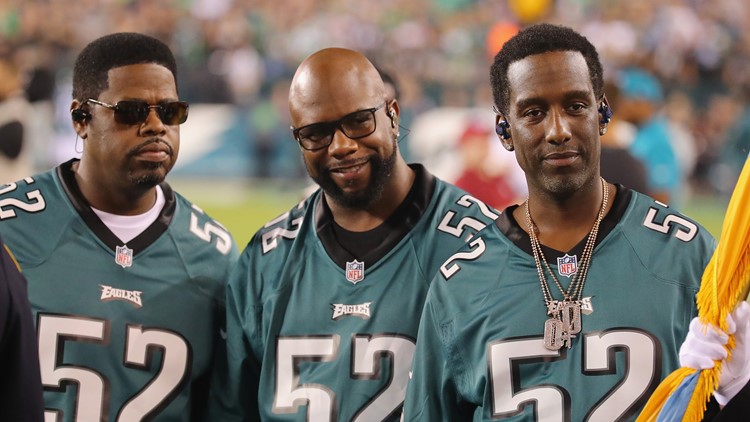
[
  {"x": 125, "y": 276},
  {"x": 323, "y": 307}
]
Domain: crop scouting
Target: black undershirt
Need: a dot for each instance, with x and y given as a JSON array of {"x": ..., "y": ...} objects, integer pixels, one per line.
[{"x": 344, "y": 246}]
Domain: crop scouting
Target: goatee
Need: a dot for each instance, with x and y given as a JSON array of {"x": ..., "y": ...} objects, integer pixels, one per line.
[{"x": 380, "y": 168}]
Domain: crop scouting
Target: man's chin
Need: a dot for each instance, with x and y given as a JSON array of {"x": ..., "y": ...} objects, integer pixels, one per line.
[
  {"x": 148, "y": 179},
  {"x": 352, "y": 199}
]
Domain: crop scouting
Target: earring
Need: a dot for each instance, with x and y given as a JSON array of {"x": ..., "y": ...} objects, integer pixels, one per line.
[
  {"x": 508, "y": 146},
  {"x": 602, "y": 130}
]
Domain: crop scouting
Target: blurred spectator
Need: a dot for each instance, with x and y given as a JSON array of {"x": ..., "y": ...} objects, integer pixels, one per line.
[
  {"x": 680, "y": 114},
  {"x": 233, "y": 52},
  {"x": 392, "y": 89},
  {"x": 38, "y": 63},
  {"x": 479, "y": 177},
  {"x": 712, "y": 173},
  {"x": 271, "y": 138},
  {"x": 640, "y": 103},
  {"x": 733, "y": 153},
  {"x": 15, "y": 162},
  {"x": 618, "y": 165}
]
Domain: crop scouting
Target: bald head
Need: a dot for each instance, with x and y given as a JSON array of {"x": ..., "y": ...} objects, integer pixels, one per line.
[{"x": 330, "y": 78}]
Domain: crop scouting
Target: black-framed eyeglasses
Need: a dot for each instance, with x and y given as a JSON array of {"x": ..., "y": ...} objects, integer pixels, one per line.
[
  {"x": 135, "y": 112},
  {"x": 355, "y": 125}
]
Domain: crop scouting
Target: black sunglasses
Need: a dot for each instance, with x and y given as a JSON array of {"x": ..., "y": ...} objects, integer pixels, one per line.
[
  {"x": 134, "y": 112},
  {"x": 355, "y": 125}
]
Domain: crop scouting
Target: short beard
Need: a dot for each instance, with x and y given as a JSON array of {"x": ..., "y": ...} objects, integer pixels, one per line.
[
  {"x": 149, "y": 174},
  {"x": 148, "y": 180},
  {"x": 563, "y": 188},
  {"x": 381, "y": 170}
]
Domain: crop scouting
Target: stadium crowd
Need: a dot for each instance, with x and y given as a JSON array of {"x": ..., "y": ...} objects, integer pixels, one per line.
[{"x": 244, "y": 53}]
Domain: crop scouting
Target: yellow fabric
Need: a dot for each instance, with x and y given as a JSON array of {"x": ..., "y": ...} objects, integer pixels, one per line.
[
  {"x": 725, "y": 282},
  {"x": 13, "y": 258},
  {"x": 665, "y": 389}
]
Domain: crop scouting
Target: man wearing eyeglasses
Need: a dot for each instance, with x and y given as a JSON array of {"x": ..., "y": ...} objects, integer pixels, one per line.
[
  {"x": 323, "y": 307},
  {"x": 125, "y": 276}
]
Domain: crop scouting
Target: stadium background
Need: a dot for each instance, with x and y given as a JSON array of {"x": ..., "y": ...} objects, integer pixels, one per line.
[{"x": 238, "y": 160}]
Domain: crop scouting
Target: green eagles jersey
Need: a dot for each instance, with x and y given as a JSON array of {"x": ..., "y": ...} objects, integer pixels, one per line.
[
  {"x": 481, "y": 354},
  {"x": 127, "y": 332},
  {"x": 315, "y": 334}
]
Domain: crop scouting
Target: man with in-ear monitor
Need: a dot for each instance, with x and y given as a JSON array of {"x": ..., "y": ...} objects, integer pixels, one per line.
[
  {"x": 323, "y": 307},
  {"x": 573, "y": 305},
  {"x": 125, "y": 276}
]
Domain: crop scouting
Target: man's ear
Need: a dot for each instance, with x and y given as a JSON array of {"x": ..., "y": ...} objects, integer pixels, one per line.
[
  {"x": 393, "y": 111},
  {"x": 605, "y": 115},
  {"x": 502, "y": 129},
  {"x": 80, "y": 116}
]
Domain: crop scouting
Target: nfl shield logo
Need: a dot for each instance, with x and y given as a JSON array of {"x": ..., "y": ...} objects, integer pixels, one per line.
[
  {"x": 355, "y": 271},
  {"x": 567, "y": 265},
  {"x": 124, "y": 256}
]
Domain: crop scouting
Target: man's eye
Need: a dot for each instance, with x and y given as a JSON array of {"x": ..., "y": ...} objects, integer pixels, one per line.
[
  {"x": 314, "y": 134},
  {"x": 358, "y": 119},
  {"x": 533, "y": 113}
]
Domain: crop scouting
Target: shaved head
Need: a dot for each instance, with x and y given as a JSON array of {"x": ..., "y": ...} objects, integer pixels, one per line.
[
  {"x": 326, "y": 75},
  {"x": 355, "y": 173}
]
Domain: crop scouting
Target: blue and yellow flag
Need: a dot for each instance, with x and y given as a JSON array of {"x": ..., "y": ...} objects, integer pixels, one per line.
[{"x": 683, "y": 395}]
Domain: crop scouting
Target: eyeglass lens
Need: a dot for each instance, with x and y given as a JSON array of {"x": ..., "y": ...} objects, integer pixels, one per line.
[
  {"x": 355, "y": 125},
  {"x": 136, "y": 112}
]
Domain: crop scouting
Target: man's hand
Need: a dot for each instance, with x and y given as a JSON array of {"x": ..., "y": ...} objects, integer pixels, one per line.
[{"x": 705, "y": 344}]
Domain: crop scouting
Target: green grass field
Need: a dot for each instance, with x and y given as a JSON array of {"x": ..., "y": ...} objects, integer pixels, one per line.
[
  {"x": 708, "y": 211},
  {"x": 244, "y": 206}
]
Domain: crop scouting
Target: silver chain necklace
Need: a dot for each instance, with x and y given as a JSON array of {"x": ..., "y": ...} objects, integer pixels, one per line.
[{"x": 565, "y": 315}]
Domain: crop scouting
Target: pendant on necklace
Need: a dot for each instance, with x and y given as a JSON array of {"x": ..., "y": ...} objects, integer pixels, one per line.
[
  {"x": 571, "y": 317},
  {"x": 564, "y": 324},
  {"x": 553, "y": 334}
]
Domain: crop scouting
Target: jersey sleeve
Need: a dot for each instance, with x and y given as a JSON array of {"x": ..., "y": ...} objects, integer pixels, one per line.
[
  {"x": 234, "y": 389},
  {"x": 236, "y": 378},
  {"x": 432, "y": 393},
  {"x": 33, "y": 239}
]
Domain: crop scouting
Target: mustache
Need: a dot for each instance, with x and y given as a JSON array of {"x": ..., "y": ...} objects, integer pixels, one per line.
[
  {"x": 348, "y": 163},
  {"x": 138, "y": 148}
]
